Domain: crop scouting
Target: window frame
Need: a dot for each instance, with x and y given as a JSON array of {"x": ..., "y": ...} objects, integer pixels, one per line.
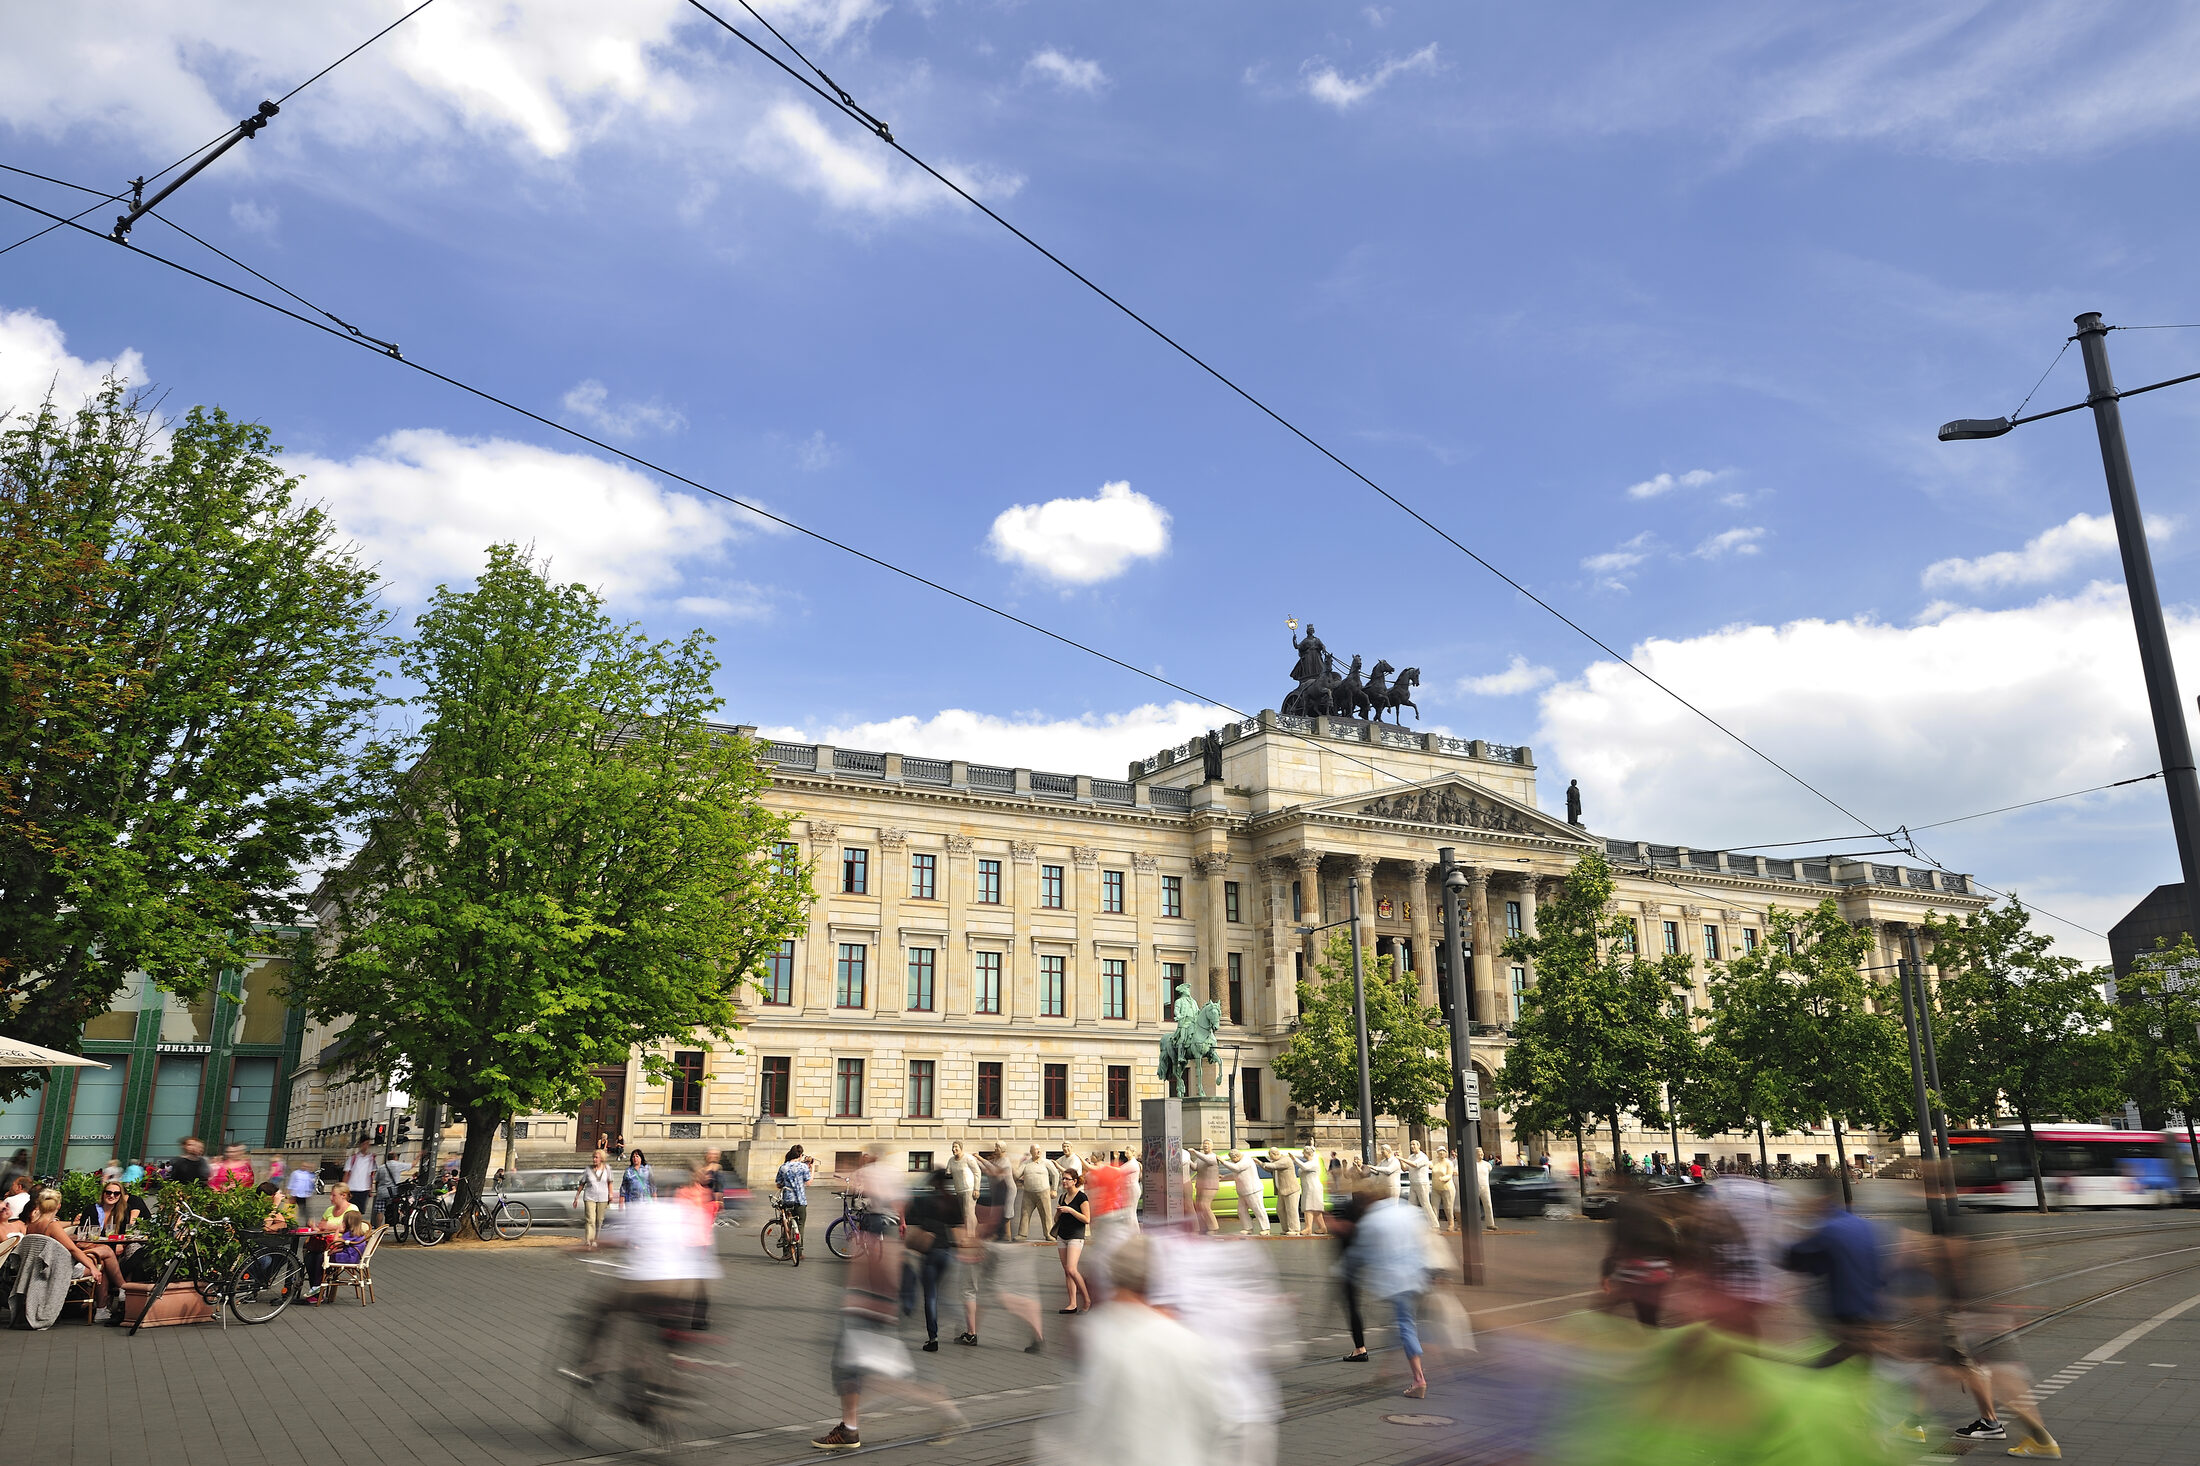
[
  {"x": 1672, "y": 933},
  {"x": 1710, "y": 942},
  {"x": 1172, "y": 978},
  {"x": 775, "y": 1086},
  {"x": 1112, "y": 886},
  {"x": 1172, "y": 896},
  {"x": 1230, "y": 908},
  {"x": 1119, "y": 1084},
  {"x": 1249, "y": 1094},
  {"x": 924, "y": 876},
  {"x": 991, "y": 1096},
  {"x": 989, "y": 883},
  {"x": 921, "y": 1104},
  {"x": 1053, "y": 985},
  {"x": 1749, "y": 940},
  {"x": 1054, "y": 1091},
  {"x": 786, "y": 858},
  {"x": 684, "y": 1091},
  {"x": 1236, "y": 964},
  {"x": 1053, "y": 889},
  {"x": 1515, "y": 919},
  {"x": 855, "y": 870},
  {"x": 985, "y": 983},
  {"x": 1519, "y": 990},
  {"x": 1115, "y": 988},
  {"x": 924, "y": 970},
  {"x": 851, "y": 976},
  {"x": 778, "y": 986},
  {"x": 845, "y": 1069}
]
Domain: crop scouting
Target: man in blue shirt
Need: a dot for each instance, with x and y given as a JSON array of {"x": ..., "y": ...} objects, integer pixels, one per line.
[{"x": 1845, "y": 1251}]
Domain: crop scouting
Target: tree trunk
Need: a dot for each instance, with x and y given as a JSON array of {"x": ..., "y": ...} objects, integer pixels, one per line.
[
  {"x": 482, "y": 1122},
  {"x": 431, "y": 1141},
  {"x": 1764, "y": 1162},
  {"x": 2032, "y": 1144},
  {"x": 1581, "y": 1170},
  {"x": 1617, "y": 1164},
  {"x": 1841, "y": 1159}
]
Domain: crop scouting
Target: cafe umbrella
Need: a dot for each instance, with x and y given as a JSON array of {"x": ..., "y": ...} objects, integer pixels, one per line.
[{"x": 16, "y": 1053}]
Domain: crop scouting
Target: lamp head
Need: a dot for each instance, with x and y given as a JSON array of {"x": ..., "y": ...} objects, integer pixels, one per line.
[{"x": 1964, "y": 429}]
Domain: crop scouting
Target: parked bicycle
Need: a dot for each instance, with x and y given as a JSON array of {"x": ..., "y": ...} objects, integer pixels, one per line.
[
  {"x": 438, "y": 1221},
  {"x": 256, "y": 1286},
  {"x": 848, "y": 1235},
  {"x": 782, "y": 1235}
]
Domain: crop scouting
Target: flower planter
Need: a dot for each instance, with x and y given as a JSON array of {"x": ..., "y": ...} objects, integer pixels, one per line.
[{"x": 180, "y": 1304}]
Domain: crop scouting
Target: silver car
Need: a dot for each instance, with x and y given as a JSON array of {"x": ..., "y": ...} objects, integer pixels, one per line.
[{"x": 548, "y": 1194}]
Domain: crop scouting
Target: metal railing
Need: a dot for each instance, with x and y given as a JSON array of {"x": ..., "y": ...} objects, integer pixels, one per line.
[
  {"x": 1461, "y": 746},
  {"x": 855, "y": 761},
  {"x": 1054, "y": 786},
  {"x": 985, "y": 776},
  {"x": 1505, "y": 753},
  {"x": 926, "y": 770}
]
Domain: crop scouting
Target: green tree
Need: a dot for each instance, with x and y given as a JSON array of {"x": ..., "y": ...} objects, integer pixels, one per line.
[
  {"x": 2157, "y": 1010},
  {"x": 1597, "y": 1034},
  {"x": 1409, "y": 1072},
  {"x": 565, "y": 862},
  {"x": 1849, "y": 1062},
  {"x": 187, "y": 667},
  {"x": 1745, "y": 1076},
  {"x": 2017, "y": 1026}
]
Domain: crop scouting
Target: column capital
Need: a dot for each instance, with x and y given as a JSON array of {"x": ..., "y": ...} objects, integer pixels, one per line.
[
  {"x": 1211, "y": 863},
  {"x": 892, "y": 839},
  {"x": 958, "y": 844},
  {"x": 823, "y": 832},
  {"x": 1363, "y": 866},
  {"x": 1306, "y": 860},
  {"x": 1084, "y": 855},
  {"x": 1420, "y": 869}
]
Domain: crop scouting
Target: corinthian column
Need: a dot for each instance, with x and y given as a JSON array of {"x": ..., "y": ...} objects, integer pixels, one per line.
[
  {"x": 1424, "y": 954},
  {"x": 1485, "y": 966}
]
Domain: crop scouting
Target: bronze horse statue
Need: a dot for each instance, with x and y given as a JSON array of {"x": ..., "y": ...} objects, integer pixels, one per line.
[
  {"x": 1399, "y": 694},
  {"x": 1332, "y": 695}
]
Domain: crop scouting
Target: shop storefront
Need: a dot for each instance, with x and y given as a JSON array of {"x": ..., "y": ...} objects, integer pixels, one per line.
[{"x": 217, "y": 1068}]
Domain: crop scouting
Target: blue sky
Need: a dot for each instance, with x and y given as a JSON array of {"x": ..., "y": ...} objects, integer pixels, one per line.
[{"x": 1657, "y": 310}]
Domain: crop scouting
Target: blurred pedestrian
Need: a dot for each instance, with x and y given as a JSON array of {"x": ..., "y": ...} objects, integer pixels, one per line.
[
  {"x": 1225, "y": 1292},
  {"x": 935, "y": 1217},
  {"x": 359, "y": 1170},
  {"x": 1980, "y": 1348},
  {"x": 1345, "y": 1210},
  {"x": 1844, "y": 1252},
  {"x": 992, "y": 1264},
  {"x": 1391, "y": 1255},
  {"x": 1146, "y": 1386},
  {"x": 868, "y": 1355},
  {"x": 191, "y": 1165},
  {"x": 1108, "y": 1185},
  {"x": 1638, "y": 1258},
  {"x": 299, "y": 1183},
  {"x": 234, "y": 1172}
]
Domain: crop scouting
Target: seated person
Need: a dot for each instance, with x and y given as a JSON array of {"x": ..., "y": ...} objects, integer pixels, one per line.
[
  {"x": 354, "y": 1242},
  {"x": 281, "y": 1215},
  {"x": 15, "y": 1206},
  {"x": 329, "y": 1230},
  {"x": 97, "y": 1262},
  {"x": 116, "y": 1209}
]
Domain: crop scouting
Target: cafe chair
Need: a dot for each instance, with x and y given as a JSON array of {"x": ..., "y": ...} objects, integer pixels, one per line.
[{"x": 358, "y": 1275}]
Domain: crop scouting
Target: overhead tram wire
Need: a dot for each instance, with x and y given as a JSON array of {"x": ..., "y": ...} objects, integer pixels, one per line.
[
  {"x": 139, "y": 184},
  {"x": 841, "y": 102},
  {"x": 351, "y": 337},
  {"x": 1956, "y": 820}
]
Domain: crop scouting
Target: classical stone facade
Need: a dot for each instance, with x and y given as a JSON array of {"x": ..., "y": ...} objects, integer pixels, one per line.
[{"x": 992, "y": 950}]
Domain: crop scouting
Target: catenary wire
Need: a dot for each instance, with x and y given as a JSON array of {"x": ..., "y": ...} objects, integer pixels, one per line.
[
  {"x": 339, "y": 61},
  {"x": 388, "y": 348},
  {"x": 357, "y": 338},
  {"x": 1956, "y": 820},
  {"x": 2044, "y": 376},
  {"x": 885, "y": 135}
]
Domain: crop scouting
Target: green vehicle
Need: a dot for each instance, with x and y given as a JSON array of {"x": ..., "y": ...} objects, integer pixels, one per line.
[{"x": 1226, "y": 1199}]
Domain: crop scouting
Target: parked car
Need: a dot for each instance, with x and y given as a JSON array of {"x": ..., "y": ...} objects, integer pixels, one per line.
[
  {"x": 1523, "y": 1191},
  {"x": 1604, "y": 1203},
  {"x": 548, "y": 1194}
]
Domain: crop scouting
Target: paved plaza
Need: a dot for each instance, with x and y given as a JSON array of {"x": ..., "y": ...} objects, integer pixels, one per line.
[{"x": 451, "y": 1364}]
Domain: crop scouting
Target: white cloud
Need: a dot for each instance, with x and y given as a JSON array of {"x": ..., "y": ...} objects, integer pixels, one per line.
[
  {"x": 1097, "y": 743},
  {"x": 1731, "y": 542},
  {"x": 35, "y": 360},
  {"x": 1904, "y": 724},
  {"x": 1614, "y": 563},
  {"x": 255, "y": 218},
  {"x": 1082, "y": 541},
  {"x": 1325, "y": 84},
  {"x": 740, "y": 601},
  {"x": 1517, "y": 678},
  {"x": 1665, "y": 483},
  {"x": 425, "y": 505},
  {"x": 794, "y": 145},
  {"x": 590, "y": 401},
  {"x": 2046, "y": 557},
  {"x": 1069, "y": 73}
]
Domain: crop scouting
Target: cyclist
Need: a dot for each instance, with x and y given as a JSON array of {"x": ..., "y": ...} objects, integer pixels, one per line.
[
  {"x": 793, "y": 1182},
  {"x": 665, "y": 1284}
]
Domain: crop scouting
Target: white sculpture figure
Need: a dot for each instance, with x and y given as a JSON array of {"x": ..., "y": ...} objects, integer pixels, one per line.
[
  {"x": 1035, "y": 1186},
  {"x": 1206, "y": 1174},
  {"x": 1416, "y": 1170},
  {"x": 1482, "y": 1190},
  {"x": 1286, "y": 1172},
  {"x": 1313, "y": 1190},
  {"x": 964, "y": 1169},
  {"x": 1444, "y": 1186},
  {"x": 1386, "y": 1170},
  {"x": 1244, "y": 1174}
]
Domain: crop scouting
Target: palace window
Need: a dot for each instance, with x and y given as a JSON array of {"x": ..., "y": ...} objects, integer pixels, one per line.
[
  {"x": 1114, "y": 988},
  {"x": 1237, "y": 987},
  {"x": 1749, "y": 939},
  {"x": 921, "y": 965},
  {"x": 848, "y": 976},
  {"x": 986, "y": 998},
  {"x": 989, "y": 882},
  {"x": 855, "y": 871},
  {"x": 687, "y": 1082},
  {"x": 989, "y": 1090},
  {"x": 1053, "y": 985},
  {"x": 1710, "y": 944},
  {"x": 1630, "y": 939},
  {"x": 1111, "y": 892},
  {"x": 1672, "y": 938},
  {"x": 786, "y": 858},
  {"x": 848, "y": 1089},
  {"x": 1249, "y": 1088},
  {"x": 1172, "y": 983},
  {"x": 1513, "y": 927},
  {"x": 1119, "y": 1091},
  {"x": 1298, "y": 904},
  {"x": 1050, "y": 886},
  {"x": 1054, "y": 1092},
  {"x": 1172, "y": 895},
  {"x": 1230, "y": 901},
  {"x": 920, "y": 1089},
  {"x": 779, "y": 974},
  {"x": 924, "y": 877},
  {"x": 1520, "y": 991},
  {"x": 777, "y": 1082}
]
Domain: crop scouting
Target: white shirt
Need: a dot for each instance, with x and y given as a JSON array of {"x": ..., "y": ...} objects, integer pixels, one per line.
[
  {"x": 359, "y": 1173},
  {"x": 1146, "y": 1392},
  {"x": 15, "y": 1205},
  {"x": 660, "y": 1243}
]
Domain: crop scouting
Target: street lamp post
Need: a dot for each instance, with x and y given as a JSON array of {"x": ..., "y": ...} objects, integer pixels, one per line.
[{"x": 2170, "y": 737}]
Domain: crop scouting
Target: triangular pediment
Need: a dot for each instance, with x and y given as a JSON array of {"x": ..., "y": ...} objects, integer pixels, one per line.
[{"x": 1449, "y": 802}]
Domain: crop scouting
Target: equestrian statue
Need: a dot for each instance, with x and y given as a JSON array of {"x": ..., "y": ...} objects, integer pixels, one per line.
[
  {"x": 1190, "y": 1047},
  {"x": 1323, "y": 691}
]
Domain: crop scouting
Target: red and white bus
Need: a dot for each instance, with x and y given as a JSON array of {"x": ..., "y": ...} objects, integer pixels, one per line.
[{"x": 2081, "y": 1166}]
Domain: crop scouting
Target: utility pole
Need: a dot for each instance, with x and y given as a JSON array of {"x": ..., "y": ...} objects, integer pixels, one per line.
[
  {"x": 1465, "y": 1103},
  {"x": 1359, "y": 1025},
  {"x": 2170, "y": 737},
  {"x": 1925, "y": 1030},
  {"x": 1925, "y": 1159}
]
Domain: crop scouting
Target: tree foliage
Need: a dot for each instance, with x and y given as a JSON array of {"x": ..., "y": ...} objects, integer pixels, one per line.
[
  {"x": 1409, "y": 1072},
  {"x": 2020, "y": 1030},
  {"x": 1597, "y": 1036},
  {"x": 2157, "y": 1011},
  {"x": 187, "y": 660},
  {"x": 565, "y": 863}
]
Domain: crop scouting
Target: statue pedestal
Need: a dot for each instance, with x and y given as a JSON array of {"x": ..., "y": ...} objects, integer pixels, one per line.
[{"x": 1166, "y": 1126}]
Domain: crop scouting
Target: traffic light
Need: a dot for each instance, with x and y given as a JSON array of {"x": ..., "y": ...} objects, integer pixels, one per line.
[
  {"x": 381, "y": 1136},
  {"x": 404, "y": 1130}
]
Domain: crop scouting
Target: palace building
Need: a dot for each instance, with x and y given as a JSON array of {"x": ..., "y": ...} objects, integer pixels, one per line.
[{"x": 993, "y": 951}]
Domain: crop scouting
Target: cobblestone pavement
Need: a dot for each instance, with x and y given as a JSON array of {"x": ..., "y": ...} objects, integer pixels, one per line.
[{"x": 452, "y": 1363}]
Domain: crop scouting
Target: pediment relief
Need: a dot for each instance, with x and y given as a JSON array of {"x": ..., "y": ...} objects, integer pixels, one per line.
[{"x": 1454, "y": 804}]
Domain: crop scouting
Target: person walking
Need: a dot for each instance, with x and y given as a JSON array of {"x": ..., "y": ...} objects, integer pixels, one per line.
[
  {"x": 1072, "y": 1215},
  {"x": 993, "y": 1264},
  {"x": 233, "y": 1174},
  {"x": 359, "y": 1171},
  {"x": 388, "y": 1176},
  {"x": 1286, "y": 1172},
  {"x": 191, "y": 1165},
  {"x": 1313, "y": 1191},
  {"x": 298, "y": 1184},
  {"x": 638, "y": 1184},
  {"x": 592, "y": 1197},
  {"x": 1345, "y": 1211},
  {"x": 1147, "y": 1390},
  {"x": 1252, "y": 1197},
  {"x": 1392, "y": 1257},
  {"x": 935, "y": 1217},
  {"x": 1035, "y": 1196},
  {"x": 868, "y": 1355}
]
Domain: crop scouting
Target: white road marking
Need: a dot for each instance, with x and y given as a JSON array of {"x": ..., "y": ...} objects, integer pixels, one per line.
[{"x": 2108, "y": 1351}]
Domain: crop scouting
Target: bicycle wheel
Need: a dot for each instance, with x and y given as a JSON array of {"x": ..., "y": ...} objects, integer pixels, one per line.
[
  {"x": 774, "y": 1238},
  {"x": 843, "y": 1237},
  {"x": 428, "y": 1225},
  {"x": 167, "y": 1276},
  {"x": 512, "y": 1220},
  {"x": 608, "y": 1385},
  {"x": 264, "y": 1284}
]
